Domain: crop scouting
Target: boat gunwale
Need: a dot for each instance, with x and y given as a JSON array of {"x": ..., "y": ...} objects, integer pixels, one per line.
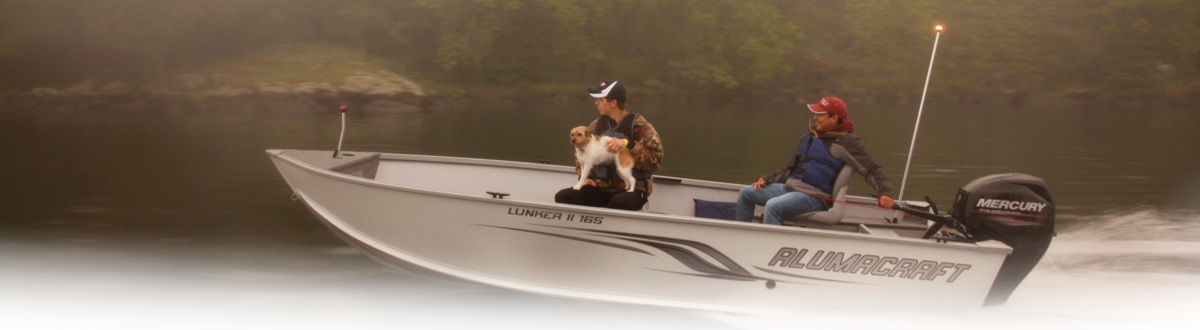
[{"x": 988, "y": 248}]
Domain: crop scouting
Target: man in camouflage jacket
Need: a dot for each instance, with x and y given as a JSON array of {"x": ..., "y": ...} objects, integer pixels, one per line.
[{"x": 631, "y": 131}]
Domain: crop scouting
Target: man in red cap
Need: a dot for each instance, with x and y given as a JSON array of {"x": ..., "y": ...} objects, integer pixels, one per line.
[{"x": 805, "y": 183}]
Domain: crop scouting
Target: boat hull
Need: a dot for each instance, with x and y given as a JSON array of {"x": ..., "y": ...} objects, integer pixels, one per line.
[{"x": 637, "y": 257}]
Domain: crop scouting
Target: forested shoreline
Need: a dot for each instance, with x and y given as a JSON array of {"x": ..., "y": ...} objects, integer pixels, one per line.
[{"x": 1089, "y": 49}]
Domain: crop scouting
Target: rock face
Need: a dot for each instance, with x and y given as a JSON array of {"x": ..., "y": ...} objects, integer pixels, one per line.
[
  {"x": 379, "y": 83},
  {"x": 85, "y": 88},
  {"x": 193, "y": 82},
  {"x": 313, "y": 88},
  {"x": 378, "y": 90},
  {"x": 228, "y": 91}
]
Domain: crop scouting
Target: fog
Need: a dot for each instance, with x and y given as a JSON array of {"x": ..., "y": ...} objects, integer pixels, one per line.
[{"x": 1113, "y": 50}]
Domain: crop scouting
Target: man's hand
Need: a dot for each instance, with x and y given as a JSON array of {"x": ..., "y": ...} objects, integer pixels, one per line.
[
  {"x": 758, "y": 185},
  {"x": 885, "y": 202},
  {"x": 615, "y": 145}
]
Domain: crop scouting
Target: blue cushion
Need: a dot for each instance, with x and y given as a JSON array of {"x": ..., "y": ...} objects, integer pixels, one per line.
[{"x": 715, "y": 210}]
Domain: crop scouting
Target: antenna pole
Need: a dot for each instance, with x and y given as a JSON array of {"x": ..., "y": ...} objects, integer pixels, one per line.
[{"x": 920, "y": 109}]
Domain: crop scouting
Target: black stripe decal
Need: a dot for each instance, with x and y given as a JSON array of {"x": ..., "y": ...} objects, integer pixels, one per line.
[{"x": 630, "y": 248}]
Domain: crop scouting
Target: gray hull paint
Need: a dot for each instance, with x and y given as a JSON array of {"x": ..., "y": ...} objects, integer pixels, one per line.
[
  {"x": 634, "y": 257},
  {"x": 384, "y": 258}
]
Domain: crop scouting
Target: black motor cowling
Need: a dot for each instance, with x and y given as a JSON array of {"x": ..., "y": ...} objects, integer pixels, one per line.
[{"x": 1015, "y": 209}]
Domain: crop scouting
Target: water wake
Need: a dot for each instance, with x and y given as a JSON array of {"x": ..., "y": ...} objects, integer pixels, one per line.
[
  {"x": 1142, "y": 240},
  {"x": 1136, "y": 268},
  {"x": 1124, "y": 268}
]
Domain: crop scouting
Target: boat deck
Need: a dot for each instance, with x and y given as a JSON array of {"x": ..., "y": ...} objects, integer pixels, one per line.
[{"x": 539, "y": 182}]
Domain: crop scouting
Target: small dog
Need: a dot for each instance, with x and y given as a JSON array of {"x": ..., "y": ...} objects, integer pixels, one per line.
[{"x": 591, "y": 150}]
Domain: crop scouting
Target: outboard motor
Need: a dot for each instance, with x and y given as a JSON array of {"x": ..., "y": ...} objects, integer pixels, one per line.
[{"x": 1015, "y": 209}]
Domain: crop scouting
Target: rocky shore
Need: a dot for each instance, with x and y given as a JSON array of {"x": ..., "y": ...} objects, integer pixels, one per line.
[
  {"x": 378, "y": 90},
  {"x": 374, "y": 90}
]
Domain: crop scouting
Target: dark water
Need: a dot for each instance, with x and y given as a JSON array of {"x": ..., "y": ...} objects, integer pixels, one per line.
[{"x": 175, "y": 217}]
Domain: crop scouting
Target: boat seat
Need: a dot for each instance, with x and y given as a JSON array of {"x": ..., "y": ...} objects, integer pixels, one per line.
[{"x": 834, "y": 214}]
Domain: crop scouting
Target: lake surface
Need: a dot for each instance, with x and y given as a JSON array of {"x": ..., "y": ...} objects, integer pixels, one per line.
[{"x": 174, "y": 217}]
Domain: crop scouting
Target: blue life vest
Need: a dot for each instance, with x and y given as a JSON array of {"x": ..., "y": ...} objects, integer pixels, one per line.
[{"x": 815, "y": 165}]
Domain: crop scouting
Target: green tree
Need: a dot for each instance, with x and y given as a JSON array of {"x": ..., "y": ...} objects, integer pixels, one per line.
[
  {"x": 735, "y": 43},
  {"x": 889, "y": 41},
  {"x": 468, "y": 33},
  {"x": 1124, "y": 48},
  {"x": 1150, "y": 46}
]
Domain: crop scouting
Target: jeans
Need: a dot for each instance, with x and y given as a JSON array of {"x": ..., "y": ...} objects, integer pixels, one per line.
[{"x": 778, "y": 201}]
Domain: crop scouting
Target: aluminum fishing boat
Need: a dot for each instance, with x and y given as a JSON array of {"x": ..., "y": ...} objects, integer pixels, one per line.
[{"x": 495, "y": 222}]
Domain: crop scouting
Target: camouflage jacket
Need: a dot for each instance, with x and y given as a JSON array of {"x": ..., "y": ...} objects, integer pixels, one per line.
[{"x": 647, "y": 153}]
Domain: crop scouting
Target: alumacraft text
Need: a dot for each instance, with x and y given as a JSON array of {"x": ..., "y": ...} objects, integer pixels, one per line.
[{"x": 866, "y": 264}]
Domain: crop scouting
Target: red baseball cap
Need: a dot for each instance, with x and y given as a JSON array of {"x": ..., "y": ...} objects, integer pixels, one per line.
[{"x": 830, "y": 105}]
